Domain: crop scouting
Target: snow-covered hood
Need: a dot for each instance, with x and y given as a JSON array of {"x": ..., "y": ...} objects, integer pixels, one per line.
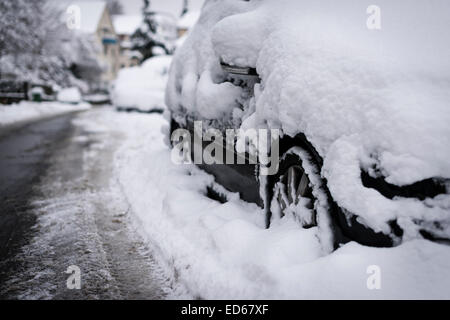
[{"x": 377, "y": 100}]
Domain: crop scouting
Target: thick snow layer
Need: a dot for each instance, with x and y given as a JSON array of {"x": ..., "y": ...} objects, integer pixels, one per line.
[
  {"x": 223, "y": 251},
  {"x": 26, "y": 111},
  {"x": 142, "y": 87},
  {"x": 188, "y": 19},
  {"x": 364, "y": 98},
  {"x": 70, "y": 95},
  {"x": 195, "y": 61}
]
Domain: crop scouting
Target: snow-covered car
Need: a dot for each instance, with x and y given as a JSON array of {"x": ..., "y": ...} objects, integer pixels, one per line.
[
  {"x": 97, "y": 97},
  {"x": 141, "y": 88},
  {"x": 69, "y": 95},
  {"x": 360, "y": 94},
  {"x": 13, "y": 91}
]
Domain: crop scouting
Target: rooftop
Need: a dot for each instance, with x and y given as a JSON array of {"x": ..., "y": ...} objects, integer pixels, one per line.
[{"x": 126, "y": 24}]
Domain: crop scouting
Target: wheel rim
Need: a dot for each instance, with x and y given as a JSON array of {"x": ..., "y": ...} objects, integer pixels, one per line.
[{"x": 293, "y": 194}]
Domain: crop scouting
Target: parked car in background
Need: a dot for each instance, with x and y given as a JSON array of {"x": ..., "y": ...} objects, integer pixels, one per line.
[
  {"x": 97, "y": 97},
  {"x": 363, "y": 116},
  {"x": 141, "y": 88},
  {"x": 69, "y": 95},
  {"x": 12, "y": 91},
  {"x": 41, "y": 92}
]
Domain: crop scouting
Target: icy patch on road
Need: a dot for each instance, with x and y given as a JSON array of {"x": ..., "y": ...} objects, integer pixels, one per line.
[
  {"x": 27, "y": 111},
  {"x": 223, "y": 251}
]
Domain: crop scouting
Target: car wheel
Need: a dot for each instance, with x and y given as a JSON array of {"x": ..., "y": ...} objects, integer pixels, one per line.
[
  {"x": 173, "y": 126},
  {"x": 292, "y": 192},
  {"x": 299, "y": 192}
]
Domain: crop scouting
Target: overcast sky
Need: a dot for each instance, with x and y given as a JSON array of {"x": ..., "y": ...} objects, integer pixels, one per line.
[{"x": 172, "y": 6}]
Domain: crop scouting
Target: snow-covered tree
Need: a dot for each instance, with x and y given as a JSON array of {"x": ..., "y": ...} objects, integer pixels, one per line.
[
  {"x": 19, "y": 28},
  {"x": 36, "y": 46},
  {"x": 86, "y": 66},
  {"x": 115, "y": 7},
  {"x": 185, "y": 8},
  {"x": 153, "y": 33}
]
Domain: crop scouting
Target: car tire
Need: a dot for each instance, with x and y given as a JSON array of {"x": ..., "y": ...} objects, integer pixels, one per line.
[
  {"x": 328, "y": 216},
  {"x": 297, "y": 190}
]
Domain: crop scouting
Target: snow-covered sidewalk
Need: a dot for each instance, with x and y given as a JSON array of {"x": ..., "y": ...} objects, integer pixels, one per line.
[
  {"x": 223, "y": 251},
  {"x": 27, "y": 111}
]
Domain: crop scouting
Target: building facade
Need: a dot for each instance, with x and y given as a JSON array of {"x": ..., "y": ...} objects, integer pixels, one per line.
[
  {"x": 107, "y": 39},
  {"x": 125, "y": 26}
]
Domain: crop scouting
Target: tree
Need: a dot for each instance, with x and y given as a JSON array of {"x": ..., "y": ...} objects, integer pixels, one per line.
[
  {"x": 115, "y": 7},
  {"x": 185, "y": 8},
  {"x": 19, "y": 29},
  {"x": 150, "y": 35},
  {"x": 36, "y": 46}
]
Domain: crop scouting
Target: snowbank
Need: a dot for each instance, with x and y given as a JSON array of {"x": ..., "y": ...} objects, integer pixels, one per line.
[
  {"x": 27, "y": 111},
  {"x": 223, "y": 251},
  {"x": 142, "y": 87},
  {"x": 69, "y": 95},
  {"x": 371, "y": 99}
]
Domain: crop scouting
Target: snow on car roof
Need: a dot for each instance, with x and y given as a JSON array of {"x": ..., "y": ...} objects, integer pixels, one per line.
[{"x": 188, "y": 19}]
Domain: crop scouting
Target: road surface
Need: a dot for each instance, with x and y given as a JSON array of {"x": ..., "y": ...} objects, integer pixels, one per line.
[{"x": 59, "y": 208}]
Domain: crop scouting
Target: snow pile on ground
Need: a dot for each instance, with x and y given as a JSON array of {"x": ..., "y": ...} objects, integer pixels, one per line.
[
  {"x": 26, "y": 111},
  {"x": 223, "y": 251},
  {"x": 372, "y": 99},
  {"x": 142, "y": 87},
  {"x": 69, "y": 95}
]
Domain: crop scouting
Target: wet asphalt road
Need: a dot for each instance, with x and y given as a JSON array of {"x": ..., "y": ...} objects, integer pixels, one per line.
[
  {"x": 24, "y": 158},
  {"x": 59, "y": 206}
]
